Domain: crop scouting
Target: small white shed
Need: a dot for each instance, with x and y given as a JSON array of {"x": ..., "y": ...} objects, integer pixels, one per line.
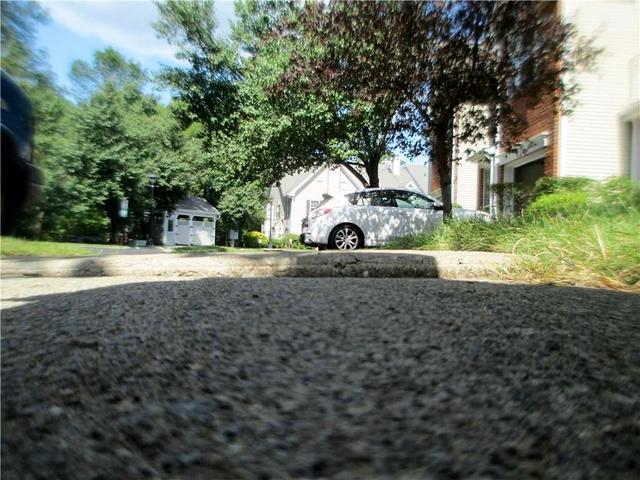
[{"x": 193, "y": 222}]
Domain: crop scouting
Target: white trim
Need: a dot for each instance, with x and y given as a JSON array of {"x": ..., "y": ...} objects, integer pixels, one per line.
[
  {"x": 197, "y": 213},
  {"x": 352, "y": 178},
  {"x": 634, "y": 154},
  {"x": 527, "y": 151},
  {"x": 481, "y": 156}
]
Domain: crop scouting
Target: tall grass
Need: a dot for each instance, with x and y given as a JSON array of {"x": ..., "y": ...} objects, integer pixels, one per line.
[{"x": 590, "y": 237}]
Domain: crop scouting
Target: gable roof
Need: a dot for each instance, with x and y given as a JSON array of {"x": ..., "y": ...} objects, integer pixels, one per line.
[
  {"x": 289, "y": 183},
  {"x": 409, "y": 174},
  {"x": 195, "y": 204}
]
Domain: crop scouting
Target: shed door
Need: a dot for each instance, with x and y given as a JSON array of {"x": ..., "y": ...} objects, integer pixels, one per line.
[
  {"x": 183, "y": 231},
  {"x": 203, "y": 231}
]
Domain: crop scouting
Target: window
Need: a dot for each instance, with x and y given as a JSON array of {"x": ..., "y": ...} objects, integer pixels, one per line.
[
  {"x": 277, "y": 211},
  {"x": 312, "y": 205},
  {"x": 170, "y": 226},
  {"x": 412, "y": 200},
  {"x": 287, "y": 207},
  {"x": 403, "y": 201},
  {"x": 382, "y": 198},
  {"x": 419, "y": 201},
  {"x": 486, "y": 189}
]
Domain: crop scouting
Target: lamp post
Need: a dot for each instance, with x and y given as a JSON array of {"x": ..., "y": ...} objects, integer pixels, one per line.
[
  {"x": 270, "y": 245},
  {"x": 152, "y": 184}
]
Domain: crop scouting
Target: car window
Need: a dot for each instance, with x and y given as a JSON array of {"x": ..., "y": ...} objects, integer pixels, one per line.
[
  {"x": 382, "y": 199},
  {"x": 403, "y": 200},
  {"x": 363, "y": 200},
  {"x": 418, "y": 201}
]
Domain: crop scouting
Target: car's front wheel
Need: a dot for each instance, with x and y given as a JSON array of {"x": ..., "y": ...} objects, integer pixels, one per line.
[{"x": 345, "y": 237}]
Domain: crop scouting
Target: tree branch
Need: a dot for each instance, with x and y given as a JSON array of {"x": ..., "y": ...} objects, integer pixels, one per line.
[{"x": 355, "y": 172}]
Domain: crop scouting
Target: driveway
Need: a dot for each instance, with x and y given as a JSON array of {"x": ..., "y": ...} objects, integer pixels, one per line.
[{"x": 317, "y": 378}]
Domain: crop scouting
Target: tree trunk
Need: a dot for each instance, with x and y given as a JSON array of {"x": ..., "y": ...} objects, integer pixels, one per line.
[
  {"x": 355, "y": 172},
  {"x": 115, "y": 228},
  {"x": 114, "y": 219},
  {"x": 371, "y": 166},
  {"x": 372, "y": 173},
  {"x": 441, "y": 150}
]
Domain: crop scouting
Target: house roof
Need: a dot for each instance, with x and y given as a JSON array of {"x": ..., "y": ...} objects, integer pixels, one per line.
[
  {"x": 195, "y": 204},
  {"x": 291, "y": 182},
  {"x": 409, "y": 174}
]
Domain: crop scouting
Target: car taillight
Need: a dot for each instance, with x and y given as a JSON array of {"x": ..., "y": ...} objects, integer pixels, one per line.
[{"x": 320, "y": 212}]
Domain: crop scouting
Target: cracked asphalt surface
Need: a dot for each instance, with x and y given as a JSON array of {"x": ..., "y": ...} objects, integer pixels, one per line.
[{"x": 110, "y": 378}]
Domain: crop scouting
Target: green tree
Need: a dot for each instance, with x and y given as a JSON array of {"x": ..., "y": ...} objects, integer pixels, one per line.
[
  {"x": 108, "y": 66},
  {"x": 242, "y": 206},
  {"x": 291, "y": 122},
  {"x": 206, "y": 86},
  {"x": 20, "y": 58},
  {"x": 257, "y": 20},
  {"x": 122, "y": 137}
]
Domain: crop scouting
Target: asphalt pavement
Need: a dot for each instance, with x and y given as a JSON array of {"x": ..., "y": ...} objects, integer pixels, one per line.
[{"x": 345, "y": 378}]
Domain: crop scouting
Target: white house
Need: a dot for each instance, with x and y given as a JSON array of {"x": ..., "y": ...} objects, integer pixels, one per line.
[
  {"x": 600, "y": 139},
  {"x": 193, "y": 222},
  {"x": 292, "y": 198}
]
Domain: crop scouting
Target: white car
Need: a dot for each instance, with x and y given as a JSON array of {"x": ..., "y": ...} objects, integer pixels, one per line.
[{"x": 374, "y": 217}]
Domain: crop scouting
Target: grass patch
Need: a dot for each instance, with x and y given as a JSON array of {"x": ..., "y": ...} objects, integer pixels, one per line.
[
  {"x": 11, "y": 246},
  {"x": 590, "y": 240}
]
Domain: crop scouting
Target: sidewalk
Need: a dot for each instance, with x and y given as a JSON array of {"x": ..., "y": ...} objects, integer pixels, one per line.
[{"x": 361, "y": 263}]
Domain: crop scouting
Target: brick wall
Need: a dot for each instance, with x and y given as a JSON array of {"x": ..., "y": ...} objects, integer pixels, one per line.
[
  {"x": 435, "y": 178},
  {"x": 542, "y": 118}
]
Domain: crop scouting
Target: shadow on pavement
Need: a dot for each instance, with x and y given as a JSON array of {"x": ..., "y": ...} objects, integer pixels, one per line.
[{"x": 332, "y": 378}]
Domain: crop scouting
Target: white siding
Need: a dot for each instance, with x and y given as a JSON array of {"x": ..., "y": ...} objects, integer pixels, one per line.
[
  {"x": 277, "y": 221},
  {"x": 466, "y": 191},
  {"x": 592, "y": 139},
  {"x": 465, "y": 188}
]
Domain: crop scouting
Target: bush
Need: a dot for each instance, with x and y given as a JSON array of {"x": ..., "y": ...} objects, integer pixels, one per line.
[
  {"x": 549, "y": 185},
  {"x": 617, "y": 193},
  {"x": 291, "y": 240},
  {"x": 559, "y": 203},
  {"x": 255, "y": 240},
  {"x": 514, "y": 194}
]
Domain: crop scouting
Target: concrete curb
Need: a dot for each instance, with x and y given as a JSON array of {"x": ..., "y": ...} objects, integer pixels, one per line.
[{"x": 365, "y": 263}]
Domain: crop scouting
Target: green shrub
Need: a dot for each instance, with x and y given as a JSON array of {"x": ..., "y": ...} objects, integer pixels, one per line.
[
  {"x": 617, "y": 193},
  {"x": 559, "y": 203},
  {"x": 291, "y": 240},
  {"x": 255, "y": 240},
  {"x": 514, "y": 194},
  {"x": 549, "y": 185}
]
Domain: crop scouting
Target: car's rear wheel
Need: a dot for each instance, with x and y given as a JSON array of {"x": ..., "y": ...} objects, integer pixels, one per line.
[{"x": 346, "y": 237}]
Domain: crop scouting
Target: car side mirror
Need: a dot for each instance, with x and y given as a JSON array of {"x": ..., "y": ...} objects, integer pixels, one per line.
[{"x": 438, "y": 207}]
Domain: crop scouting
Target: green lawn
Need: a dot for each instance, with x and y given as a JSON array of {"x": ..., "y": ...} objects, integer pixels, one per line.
[{"x": 11, "y": 246}]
